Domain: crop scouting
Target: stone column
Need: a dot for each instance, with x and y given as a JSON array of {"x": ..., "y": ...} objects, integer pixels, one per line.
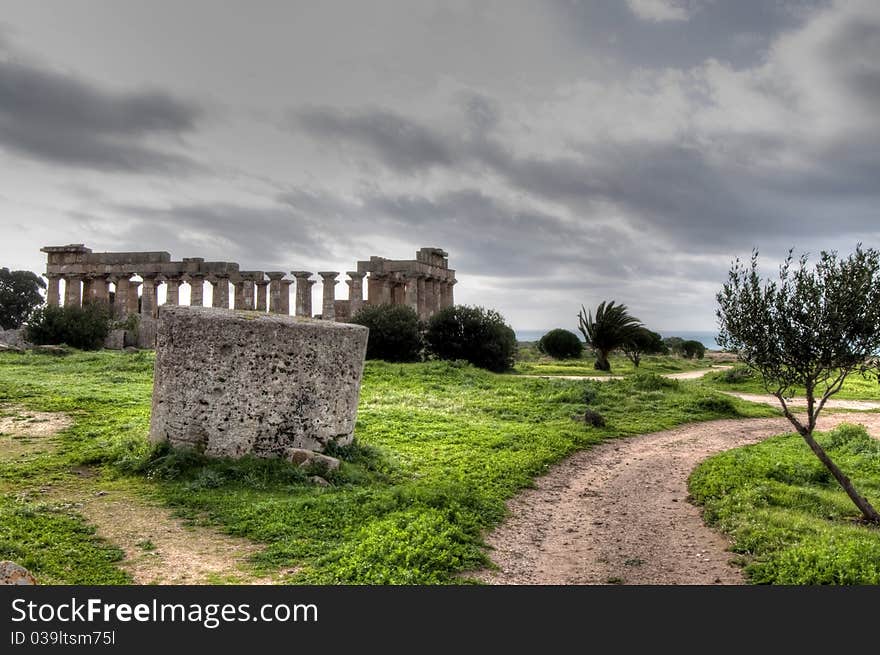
[
  {"x": 328, "y": 309},
  {"x": 303, "y": 293},
  {"x": 101, "y": 289},
  {"x": 450, "y": 298},
  {"x": 148, "y": 297},
  {"x": 248, "y": 298},
  {"x": 438, "y": 290},
  {"x": 72, "y": 291},
  {"x": 261, "y": 294},
  {"x": 221, "y": 291},
  {"x": 172, "y": 291},
  {"x": 238, "y": 295},
  {"x": 430, "y": 297},
  {"x": 196, "y": 290},
  {"x": 132, "y": 298},
  {"x": 422, "y": 297},
  {"x": 285, "y": 297},
  {"x": 120, "y": 300},
  {"x": 374, "y": 289},
  {"x": 355, "y": 291},
  {"x": 275, "y": 278},
  {"x": 411, "y": 292},
  {"x": 53, "y": 293},
  {"x": 86, "y": 296}
]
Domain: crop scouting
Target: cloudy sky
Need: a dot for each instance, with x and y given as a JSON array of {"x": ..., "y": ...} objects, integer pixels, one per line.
[{"x": 563, "y": 152}]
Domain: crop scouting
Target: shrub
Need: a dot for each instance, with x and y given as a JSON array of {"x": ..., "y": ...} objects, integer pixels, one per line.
[
  {"x": 561, "y": 344},
  {"x": 478, "y": 335},
  {"x": 691, "y": 349},
  {"x": 80, "y": 327},
  {"x": 652, "y": 382},
  {"x": 674, "y": 344},
  {"x": 395, "y": 333},
  {"x": 736, "y": 375}
]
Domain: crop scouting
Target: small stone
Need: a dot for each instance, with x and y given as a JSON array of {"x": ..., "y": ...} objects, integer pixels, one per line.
[
  {"x": 594, "y": 419},
  {"x": 307, "y": 458},
  {"x": 318, "y": 480},
  {"x": 14, "y": 574},
  {"x": 100, "y": 493}
]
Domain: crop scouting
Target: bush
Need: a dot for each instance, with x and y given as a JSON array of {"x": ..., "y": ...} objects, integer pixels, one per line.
[
  {"x": 395, "y": 333},
  {"x": 478, "y": 335},
  {"x": 561, "y": 344},
  {"x": 691, "y": 349},
  {"x": 80, "y": 327},
  {"x": 736, "y": 375}
]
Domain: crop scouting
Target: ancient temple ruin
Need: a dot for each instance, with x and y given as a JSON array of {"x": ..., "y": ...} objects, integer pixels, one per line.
[{"x": 128, "y": 282}]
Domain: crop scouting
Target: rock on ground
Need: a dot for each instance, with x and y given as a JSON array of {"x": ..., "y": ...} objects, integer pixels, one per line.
[
  {"x": 14, "y": 574},
  {"x": 230, "y": 383}
]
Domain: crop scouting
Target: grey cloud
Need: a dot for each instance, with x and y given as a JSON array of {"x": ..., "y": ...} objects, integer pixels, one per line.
[
  {"x": 853, "y": 51},
  {"x": 62, "y": 119},
  {"x": 403, "y": 144},
  {"x": 257, "y": 237}
]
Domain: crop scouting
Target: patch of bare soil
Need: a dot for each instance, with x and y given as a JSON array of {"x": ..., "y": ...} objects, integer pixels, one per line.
[
  {"x": 618, "y": 513},
  {"x": 25, "y": 433},
  {"x": 159, "y": 547}
]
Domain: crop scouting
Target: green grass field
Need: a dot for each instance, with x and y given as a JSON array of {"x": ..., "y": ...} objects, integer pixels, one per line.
[
  {"x": 439, "y": 448},
  {"x": 788, "y": 517},
  {"x": 856, "y": 386}
]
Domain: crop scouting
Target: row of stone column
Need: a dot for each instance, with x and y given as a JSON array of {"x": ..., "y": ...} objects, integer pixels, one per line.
[
  {"x": 250, "y": 293},
  {"x": 425, "y": 294}
]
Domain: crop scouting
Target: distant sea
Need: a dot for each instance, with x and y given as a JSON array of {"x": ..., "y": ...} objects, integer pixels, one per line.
[{"x": 705, "y": 338}]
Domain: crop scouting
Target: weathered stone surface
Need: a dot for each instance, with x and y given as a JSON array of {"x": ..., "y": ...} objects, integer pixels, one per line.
[
  {"x": 6, "y": 348},
  {"x": 115, "y": 340},
  {"x": 14, "y": 574},
  {"x": 306, "y": 458},
  {"x": 14, "y": 338},
  {"x": 231, "y": 383}
]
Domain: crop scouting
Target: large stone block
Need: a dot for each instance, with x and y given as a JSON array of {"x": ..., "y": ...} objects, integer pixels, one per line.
[{"x": 230, "y": 382}]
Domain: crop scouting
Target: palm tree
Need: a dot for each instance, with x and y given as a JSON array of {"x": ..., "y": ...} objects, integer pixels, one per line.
[{"x": 612, "y": 328}]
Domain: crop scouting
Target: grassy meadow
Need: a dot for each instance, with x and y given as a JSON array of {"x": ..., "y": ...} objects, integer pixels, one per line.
[
  {"x": 789, "y": 519},
  {"x": 532, "y": 362},
  {"x": 439, "y": 449}
]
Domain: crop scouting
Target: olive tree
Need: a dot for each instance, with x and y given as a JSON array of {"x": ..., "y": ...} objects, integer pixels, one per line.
[{"x": 809, "y": 329}]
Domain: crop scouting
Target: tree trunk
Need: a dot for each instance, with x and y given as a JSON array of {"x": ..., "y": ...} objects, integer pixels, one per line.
[
  {"x": 868, "y": 512},
  {"x": 602, "y": 363}
]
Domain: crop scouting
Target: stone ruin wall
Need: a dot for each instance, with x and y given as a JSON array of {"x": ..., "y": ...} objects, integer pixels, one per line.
[{"x": 424, "y": 283}]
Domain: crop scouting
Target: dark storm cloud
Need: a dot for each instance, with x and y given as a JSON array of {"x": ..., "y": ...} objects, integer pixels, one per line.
[
  {"x": 738, "y": 31},
  {"x": 853, "y": 52},
  {"x": 255, "y": 237},
  {"x": 402, "y": 144},
  {"x": 62, "y": 119}
]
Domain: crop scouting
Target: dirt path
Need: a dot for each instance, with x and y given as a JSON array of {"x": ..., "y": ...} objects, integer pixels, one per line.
[
  {"x": 618, "y": 513},
  {"x": 686, "y": 375},
  {"x": 159, "y": 547},
  {"x": 831, "y": 404}
]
